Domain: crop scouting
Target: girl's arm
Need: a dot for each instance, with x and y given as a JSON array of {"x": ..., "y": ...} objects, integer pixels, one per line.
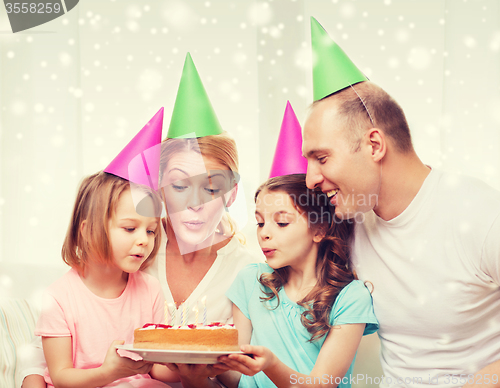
[
  {"x": 244, "y": 326},
  {"x": 333, "y": 361},
  {"x": 231, "y": 378},
  {"x": 58, "y": 353},
  {"x": 34, "y": 381}
]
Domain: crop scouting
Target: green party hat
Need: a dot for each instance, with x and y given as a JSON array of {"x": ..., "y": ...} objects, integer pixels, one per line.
[
  {"x": 332, "y": 68},
  {"x": 193, "y": 115}
]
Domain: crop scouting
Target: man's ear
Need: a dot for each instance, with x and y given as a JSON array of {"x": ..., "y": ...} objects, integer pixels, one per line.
[
  {"x": 232, "y": 195},
  {"x": 378, "y": 144}
]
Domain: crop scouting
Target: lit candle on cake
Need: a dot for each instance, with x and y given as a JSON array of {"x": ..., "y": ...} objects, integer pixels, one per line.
[
  {"x": 172, "y": 315},
  {"x": 204, "y": 304},
  {"x": 165, "y": 313},
  {"x": 185, "y": 314},
  {"x": 195, "y": 309}
]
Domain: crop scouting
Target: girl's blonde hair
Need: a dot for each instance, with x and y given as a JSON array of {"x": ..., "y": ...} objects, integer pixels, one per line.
[
  {"x": 220, "y": 148},
  {"x": 95, "y": 204}
]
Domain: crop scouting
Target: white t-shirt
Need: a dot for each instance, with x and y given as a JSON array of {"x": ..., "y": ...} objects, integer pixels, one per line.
[{"x": 435, "y": 269}]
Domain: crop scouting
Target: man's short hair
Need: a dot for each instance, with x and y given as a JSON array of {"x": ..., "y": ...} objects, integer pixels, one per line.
[{"x": 364, "y": 106}]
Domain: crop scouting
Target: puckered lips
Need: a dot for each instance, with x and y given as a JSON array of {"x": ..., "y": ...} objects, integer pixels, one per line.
[
  {"x": 138, "y": 256},
  {"x": 268, "y": 252},
  {"x": 193, "y": 224}
]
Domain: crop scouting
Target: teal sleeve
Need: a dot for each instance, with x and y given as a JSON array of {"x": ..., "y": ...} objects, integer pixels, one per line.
[
  {"x": 242, "y": 288},
  {"x": 354, "y": 305}
]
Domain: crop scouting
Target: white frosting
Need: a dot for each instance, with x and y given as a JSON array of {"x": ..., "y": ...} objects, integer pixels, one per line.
[{"x": 199, "y": 327}]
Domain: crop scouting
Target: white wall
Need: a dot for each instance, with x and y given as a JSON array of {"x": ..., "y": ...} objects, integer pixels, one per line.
[{"x": 74, "y": 91}]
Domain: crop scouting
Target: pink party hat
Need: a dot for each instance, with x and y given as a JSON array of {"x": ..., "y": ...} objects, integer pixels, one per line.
[
  {"x": 139, "y": 161},
  {"x": 288, "y": 157}
]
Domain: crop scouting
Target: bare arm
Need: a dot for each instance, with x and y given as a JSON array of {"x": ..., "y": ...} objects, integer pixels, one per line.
[
  {"x": 58, "y": 353},
  {"x": 488, "y": 377},
  {"x": 231, "y": 378},
  {"x": 34, "y": 381},
  {"x": 333, "y": 361},
  {"x": 244, "y": 326}
]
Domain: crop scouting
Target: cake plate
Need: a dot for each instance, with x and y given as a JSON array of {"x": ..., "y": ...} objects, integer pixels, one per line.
[{"x": 177, "y": 356}]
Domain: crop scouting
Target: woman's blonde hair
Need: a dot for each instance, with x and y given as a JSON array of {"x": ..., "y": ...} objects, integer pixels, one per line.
[
  {"x": 220, "y": 148},
  {"x": 95, "y": 204}
]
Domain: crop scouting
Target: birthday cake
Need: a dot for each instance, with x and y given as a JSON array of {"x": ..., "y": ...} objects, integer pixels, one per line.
[{"x": 213, "y": 337}]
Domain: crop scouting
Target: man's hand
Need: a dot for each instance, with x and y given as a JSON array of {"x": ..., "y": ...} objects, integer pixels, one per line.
[
  {"x": 198, "y": 375},
  {"x": 197, "y": 371}
]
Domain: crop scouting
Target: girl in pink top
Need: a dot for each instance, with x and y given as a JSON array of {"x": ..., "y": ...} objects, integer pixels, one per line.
[{"x": 104, "y": 297}]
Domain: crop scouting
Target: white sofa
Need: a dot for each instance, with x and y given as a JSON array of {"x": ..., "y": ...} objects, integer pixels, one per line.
[
  {"x": 21, "y": 288},
  {"x": 17, "y": 321}
]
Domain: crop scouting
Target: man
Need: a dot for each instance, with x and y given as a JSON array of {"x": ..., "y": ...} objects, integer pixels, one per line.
[{"x": 428, "y": 241}]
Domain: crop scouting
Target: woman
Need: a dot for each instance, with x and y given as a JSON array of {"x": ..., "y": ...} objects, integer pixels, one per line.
[
  {"x": 202, "y": 253},
  {"x": 198, "y": 179}
]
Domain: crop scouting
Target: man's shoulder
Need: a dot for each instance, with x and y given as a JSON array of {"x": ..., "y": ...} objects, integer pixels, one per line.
[
  {"x": 468, "y": 195},
  {"x": 462, "y": 185},
  {"x": 451, "y": 198}
]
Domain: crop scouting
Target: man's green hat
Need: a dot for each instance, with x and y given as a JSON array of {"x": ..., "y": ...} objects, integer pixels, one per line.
[
  {"x": 332, "y": 68},
  {"x": 193, "y": 115}
]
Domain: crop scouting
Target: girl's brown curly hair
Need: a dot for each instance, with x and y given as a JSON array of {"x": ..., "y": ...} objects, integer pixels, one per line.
[{"x": 333, "y": 268}]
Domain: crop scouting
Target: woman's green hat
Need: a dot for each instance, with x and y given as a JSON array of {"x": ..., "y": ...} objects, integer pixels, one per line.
[
  {"x": 332, "y": 68},
  {"x": 193, "y": 115}
]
